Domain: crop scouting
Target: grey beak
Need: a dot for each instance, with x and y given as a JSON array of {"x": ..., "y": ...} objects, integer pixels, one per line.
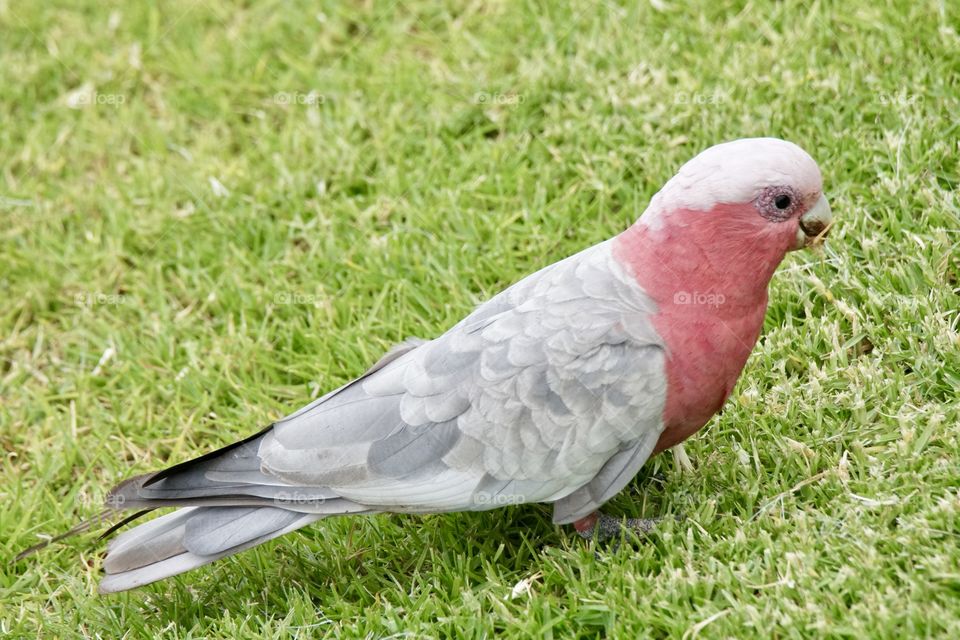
[{"x": 814, "y": 224}]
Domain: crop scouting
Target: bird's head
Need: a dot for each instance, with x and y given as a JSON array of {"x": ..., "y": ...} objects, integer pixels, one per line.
[
  {"x": 725, "y": 222},
  {"x": 761, "y": 193}
]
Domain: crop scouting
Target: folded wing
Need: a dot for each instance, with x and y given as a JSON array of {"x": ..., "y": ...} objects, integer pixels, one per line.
[{"x": 526, "y": 400}]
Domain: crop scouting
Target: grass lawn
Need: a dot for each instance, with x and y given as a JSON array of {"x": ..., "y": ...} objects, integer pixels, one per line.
[{"x": 211, "y": 212}]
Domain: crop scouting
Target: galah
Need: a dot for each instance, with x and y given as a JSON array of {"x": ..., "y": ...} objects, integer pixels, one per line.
[{"x": 556, "y": 390}]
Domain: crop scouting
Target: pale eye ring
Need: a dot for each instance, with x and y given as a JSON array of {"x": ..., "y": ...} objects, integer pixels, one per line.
[{"x": 777, "y": 203}]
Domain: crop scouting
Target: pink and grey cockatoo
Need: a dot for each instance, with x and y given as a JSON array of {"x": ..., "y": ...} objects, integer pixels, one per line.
[{"x": 556, "y": 390}]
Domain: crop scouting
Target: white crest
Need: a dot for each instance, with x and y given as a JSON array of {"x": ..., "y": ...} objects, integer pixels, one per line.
[{"x": 735, "y": 172}]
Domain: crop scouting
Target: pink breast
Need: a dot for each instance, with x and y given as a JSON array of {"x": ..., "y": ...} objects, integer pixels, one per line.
[
  {"x": 705, "y": 358},
  {"x": 711, "y": 297}
]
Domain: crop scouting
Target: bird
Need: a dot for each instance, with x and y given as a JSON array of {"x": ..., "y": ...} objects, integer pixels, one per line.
[{"x": 556, "y": 390}]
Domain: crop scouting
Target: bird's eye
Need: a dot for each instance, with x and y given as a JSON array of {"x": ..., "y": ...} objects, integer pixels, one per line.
[{"x": 776, "y": 203}]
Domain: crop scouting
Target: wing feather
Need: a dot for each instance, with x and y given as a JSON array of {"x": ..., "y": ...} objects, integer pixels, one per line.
[{"x": 537, "y": 393}]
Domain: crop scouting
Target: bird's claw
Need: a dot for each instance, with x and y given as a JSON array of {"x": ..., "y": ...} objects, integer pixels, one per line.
[{"x": 607, "y": 527}]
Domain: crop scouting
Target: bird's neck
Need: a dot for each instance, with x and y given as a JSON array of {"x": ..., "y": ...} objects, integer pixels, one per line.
[{"x": 710, "y": 287}]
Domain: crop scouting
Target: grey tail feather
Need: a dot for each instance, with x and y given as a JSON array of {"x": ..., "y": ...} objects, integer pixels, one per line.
[
  {"x": 126, "y": 496},
  {"x": 189, "y": 538},
  {"x": 195, "y": 485},
  {"x": 169, "y": 471}
]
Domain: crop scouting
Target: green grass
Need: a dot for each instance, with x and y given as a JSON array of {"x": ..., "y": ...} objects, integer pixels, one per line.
[{"x": 384, "y": 167}]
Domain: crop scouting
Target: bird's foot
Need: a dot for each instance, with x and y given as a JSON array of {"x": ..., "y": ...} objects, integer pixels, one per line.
[{"x": 599, "y": 526}]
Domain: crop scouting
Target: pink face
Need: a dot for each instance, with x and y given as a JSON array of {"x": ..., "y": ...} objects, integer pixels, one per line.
[{"x": 780, "y": 219}]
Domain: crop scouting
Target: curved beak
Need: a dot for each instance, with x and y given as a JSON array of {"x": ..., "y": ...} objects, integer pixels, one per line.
[{"x": 814, "y": 224}]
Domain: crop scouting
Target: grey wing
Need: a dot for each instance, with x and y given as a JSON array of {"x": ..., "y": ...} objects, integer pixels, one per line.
[{"x": 552, "y": 391}]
